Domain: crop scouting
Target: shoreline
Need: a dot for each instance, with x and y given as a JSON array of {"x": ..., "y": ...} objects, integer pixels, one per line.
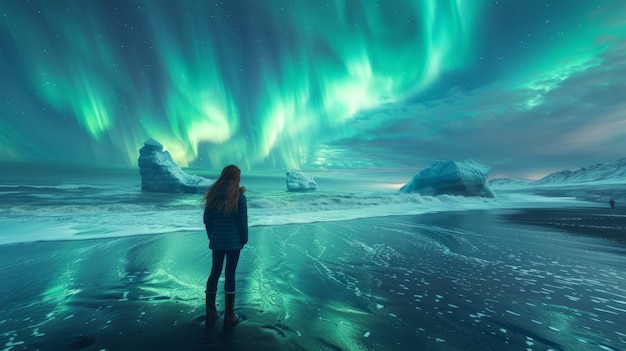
[{"x": 522, "y": 215}]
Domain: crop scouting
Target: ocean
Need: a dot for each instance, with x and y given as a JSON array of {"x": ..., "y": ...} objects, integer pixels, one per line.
[{"x": 74, "y": 204}]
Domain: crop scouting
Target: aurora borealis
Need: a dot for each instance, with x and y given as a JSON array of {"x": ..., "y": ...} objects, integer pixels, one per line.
[{"x": 527, "y": 87}]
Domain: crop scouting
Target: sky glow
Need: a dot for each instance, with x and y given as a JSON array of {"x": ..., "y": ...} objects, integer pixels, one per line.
[{"x": 527, "y": 87}]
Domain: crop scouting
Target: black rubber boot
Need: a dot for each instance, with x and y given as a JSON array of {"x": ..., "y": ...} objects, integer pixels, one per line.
[
  {"x": 230, "y": 318},
  {"x": 211, "y": 310}
]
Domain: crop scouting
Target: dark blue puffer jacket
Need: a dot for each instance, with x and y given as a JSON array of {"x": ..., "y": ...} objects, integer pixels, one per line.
[{"x": 227, "y": 231}]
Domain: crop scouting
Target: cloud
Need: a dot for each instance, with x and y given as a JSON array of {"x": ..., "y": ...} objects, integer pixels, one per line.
[{"x": 576, "y": 121}]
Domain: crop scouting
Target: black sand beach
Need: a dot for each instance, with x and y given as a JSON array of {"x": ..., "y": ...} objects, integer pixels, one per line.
[
  {"x": 478, "y": 280},
  {"x": 606, "y": 223}
]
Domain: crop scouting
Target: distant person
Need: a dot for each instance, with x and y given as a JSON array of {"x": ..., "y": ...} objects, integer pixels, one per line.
[
  {"x": 226, "y": 222},
  {"x": 612, "y": 203}
]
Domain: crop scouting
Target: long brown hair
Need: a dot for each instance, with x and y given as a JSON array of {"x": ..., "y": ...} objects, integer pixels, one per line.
[{"x": 223, "y": 195}]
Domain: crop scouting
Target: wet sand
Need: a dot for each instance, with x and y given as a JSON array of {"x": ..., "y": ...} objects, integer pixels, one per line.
[
  {"x": 600, "y": 222},
  {"x": 479, "y": 280}
]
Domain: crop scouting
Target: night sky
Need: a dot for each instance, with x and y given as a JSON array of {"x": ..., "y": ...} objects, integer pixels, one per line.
[{"x": 527, "y": 87}]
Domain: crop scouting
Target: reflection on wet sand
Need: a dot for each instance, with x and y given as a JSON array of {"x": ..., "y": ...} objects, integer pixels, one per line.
[{"x": 477, "y": 280}]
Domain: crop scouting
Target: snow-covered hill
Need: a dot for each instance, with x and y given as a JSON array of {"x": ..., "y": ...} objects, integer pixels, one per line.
[
  {"x": 605, "y": 173},
  {"x": 601, "y": 173},
  {"x": 598, "y": 183}
]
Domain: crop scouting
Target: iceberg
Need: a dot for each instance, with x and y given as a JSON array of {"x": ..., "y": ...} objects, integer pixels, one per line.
[
  {"x": 466, "y": 178},
  {"x": 300, "y": 181},
  {"x": 160, "y": 174}
]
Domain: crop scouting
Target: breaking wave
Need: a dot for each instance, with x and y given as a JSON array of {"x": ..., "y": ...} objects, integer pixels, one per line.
[{"x": 83, "y": 211}]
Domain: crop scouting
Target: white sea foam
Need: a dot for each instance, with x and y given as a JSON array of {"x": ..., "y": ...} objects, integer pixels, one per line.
[{"x": 84, "y": 211}]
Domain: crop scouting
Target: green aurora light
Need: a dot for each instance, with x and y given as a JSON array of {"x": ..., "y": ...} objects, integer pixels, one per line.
[{"x": 270, "y": 84}]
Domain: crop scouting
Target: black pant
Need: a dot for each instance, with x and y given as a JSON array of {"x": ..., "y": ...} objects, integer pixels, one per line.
[{"x": 232, "y": 258}]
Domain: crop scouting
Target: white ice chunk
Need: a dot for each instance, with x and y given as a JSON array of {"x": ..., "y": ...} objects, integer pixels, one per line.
[{"x": 300, "y": 181}]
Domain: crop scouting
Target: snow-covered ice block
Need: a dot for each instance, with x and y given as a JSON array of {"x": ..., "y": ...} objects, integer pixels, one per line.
[
  {"x": 300, "y": 181},
  {"x": 466, "y": 178}
]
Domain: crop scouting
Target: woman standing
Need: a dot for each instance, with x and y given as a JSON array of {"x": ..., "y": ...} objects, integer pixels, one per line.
[{"x": 226, "y": 222}]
